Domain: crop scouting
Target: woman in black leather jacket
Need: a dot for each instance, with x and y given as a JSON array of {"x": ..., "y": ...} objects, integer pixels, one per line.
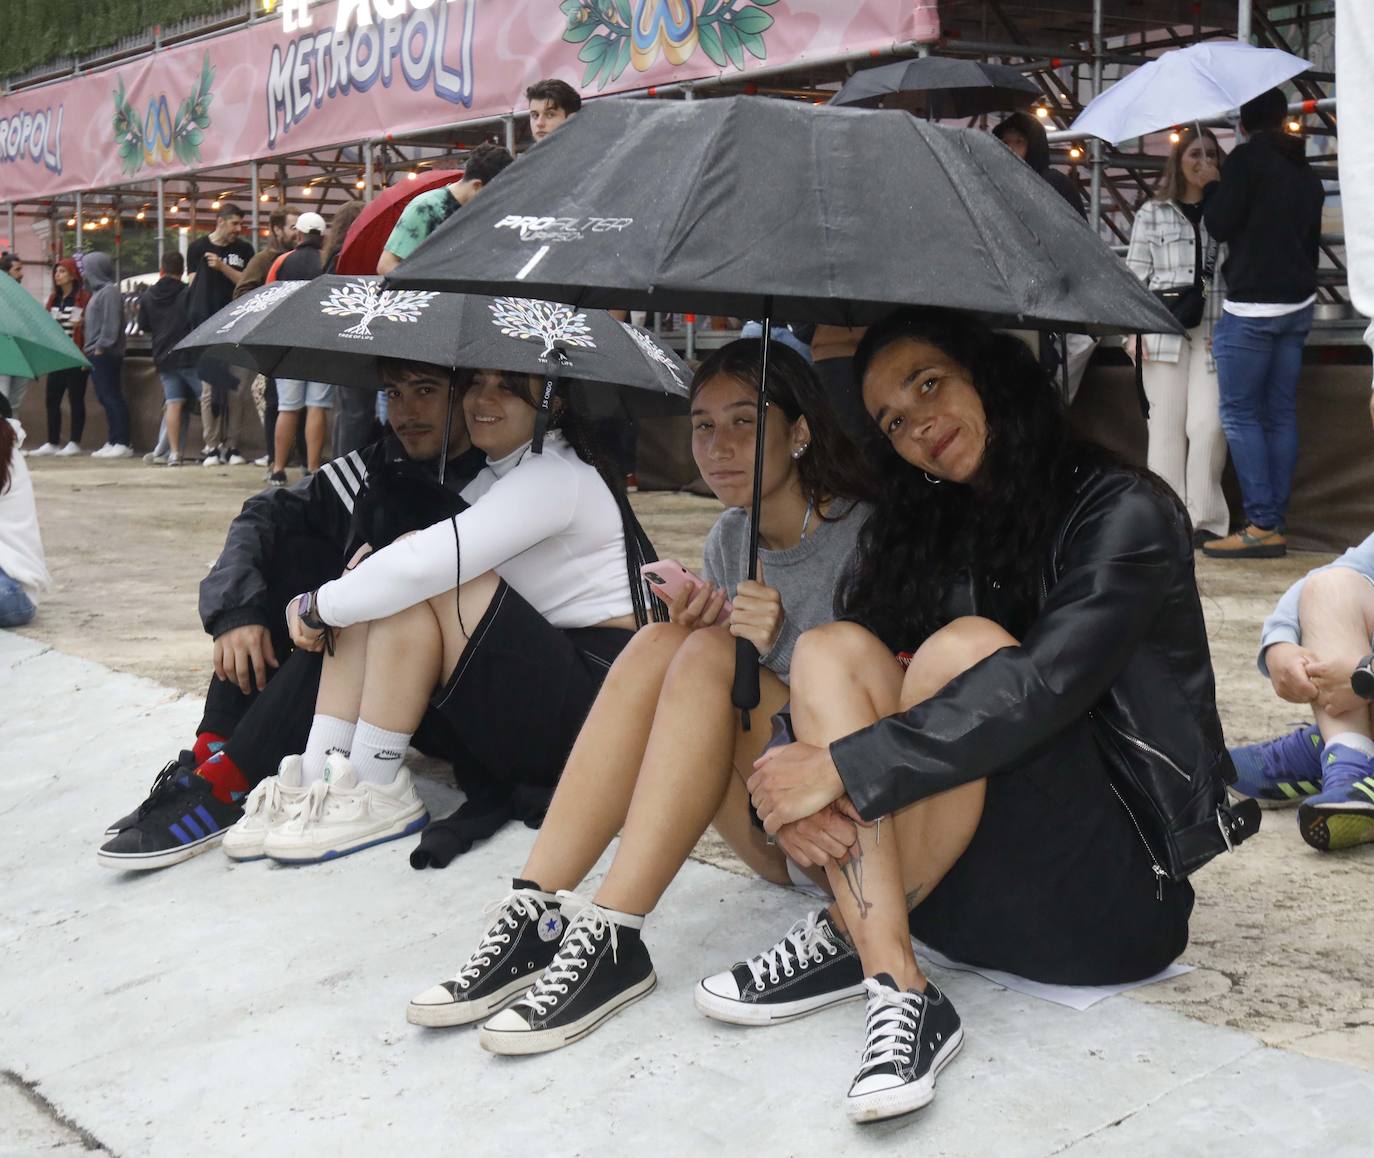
[{"x": 1039, "y": 600}]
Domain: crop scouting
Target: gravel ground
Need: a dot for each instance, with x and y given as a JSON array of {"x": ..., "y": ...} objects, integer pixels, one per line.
[{"x": 1280, "y": 932}]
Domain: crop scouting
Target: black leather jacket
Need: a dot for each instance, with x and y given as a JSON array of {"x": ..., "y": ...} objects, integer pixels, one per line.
[{"x": 1120, "y": 635}]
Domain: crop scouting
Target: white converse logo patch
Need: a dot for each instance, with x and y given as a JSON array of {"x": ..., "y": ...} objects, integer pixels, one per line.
[{"x": 551, "y": 926}]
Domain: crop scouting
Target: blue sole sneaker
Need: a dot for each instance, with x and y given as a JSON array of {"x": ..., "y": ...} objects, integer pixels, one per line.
[
  {"x": 1342, "y": 816},
  {"x": 1283, "y": 772}
]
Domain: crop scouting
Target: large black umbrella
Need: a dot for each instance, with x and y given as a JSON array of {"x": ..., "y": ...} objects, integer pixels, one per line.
[
  {"x": 773, "y": 209},
  {"x": 939, "y": 87},
  {"x": 335, "y": 328}
]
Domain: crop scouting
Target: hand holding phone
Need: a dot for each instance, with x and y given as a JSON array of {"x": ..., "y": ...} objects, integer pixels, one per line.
[{"x": 693, "y": 601}]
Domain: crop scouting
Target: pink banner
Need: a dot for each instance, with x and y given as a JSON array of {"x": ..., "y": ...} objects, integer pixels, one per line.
[{"x": 263, "y": 90}]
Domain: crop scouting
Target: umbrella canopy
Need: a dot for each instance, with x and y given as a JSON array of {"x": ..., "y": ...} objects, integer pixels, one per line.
[
  {"x": 1189, "y": 84},
  {"x": 362, "y": 249},
  {"x": 334, "y": 328},
  {"x": 770, "y": 208},
  {"x": 31, "y": 343},
  {"x": 939, "y": 87}
]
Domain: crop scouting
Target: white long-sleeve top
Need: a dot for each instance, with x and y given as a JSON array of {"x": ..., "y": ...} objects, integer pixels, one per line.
[
  {"x": 546, "y": 523},
  {"x": 21, "y": 546}
]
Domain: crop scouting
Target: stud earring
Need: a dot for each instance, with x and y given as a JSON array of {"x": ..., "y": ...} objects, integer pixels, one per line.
[{"x": 801, "y": 450}]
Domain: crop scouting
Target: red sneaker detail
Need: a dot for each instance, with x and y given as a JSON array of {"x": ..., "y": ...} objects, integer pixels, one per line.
[{"x": 226, "y": 781}]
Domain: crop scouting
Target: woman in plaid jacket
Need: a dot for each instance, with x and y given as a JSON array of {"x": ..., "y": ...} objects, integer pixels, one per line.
[{"x": 1169, "y": 245}]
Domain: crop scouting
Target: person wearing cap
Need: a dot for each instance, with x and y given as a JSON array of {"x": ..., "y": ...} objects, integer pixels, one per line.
[{"x": 303, "y": 263}]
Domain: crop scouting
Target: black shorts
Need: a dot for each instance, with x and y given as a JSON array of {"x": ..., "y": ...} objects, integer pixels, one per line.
[
  {"x": 1056, "y": 885},
  {"x": 523, "y": 687}
]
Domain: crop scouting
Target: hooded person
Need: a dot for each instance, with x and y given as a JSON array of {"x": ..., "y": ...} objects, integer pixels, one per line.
[
  {"x": 1025, "y": 136},
  {"x": 162, "y": 316},
  {"x": 67, "y": 305},
  {"x": 104, "y": 346}
]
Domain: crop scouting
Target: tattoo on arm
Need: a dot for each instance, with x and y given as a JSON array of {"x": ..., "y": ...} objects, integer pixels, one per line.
[{"x": 853, "y": 873}]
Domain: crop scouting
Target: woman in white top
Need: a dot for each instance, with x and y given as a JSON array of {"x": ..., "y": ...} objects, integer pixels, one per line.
[
  {"x": 23, "y": 573},
  {"x": 662, "y": 755},
  {"x": 1170, "y": 250},
  {"x": 504, "y": 617}
]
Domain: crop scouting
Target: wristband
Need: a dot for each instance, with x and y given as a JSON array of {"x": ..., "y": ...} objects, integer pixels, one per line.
[{"x": 310, "y": 616}]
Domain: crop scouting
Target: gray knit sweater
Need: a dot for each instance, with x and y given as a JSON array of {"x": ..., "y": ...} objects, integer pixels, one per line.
[{"x": 806, "y": 576}]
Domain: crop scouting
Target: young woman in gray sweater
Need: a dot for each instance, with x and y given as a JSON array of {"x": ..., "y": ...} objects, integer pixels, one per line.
[{"x": 662, "y": 754}]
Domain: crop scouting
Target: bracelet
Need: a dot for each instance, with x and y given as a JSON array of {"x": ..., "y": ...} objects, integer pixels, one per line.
[{"x": 309, "y": 614}]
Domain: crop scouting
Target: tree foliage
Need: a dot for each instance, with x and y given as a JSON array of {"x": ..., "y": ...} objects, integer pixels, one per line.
[{"x": 33, "y": 32}]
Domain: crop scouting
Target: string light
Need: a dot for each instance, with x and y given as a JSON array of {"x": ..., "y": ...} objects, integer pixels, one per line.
[
  {"x": 104, "y": 221},
  {"x": 140, "y": 215},
  {"x": 89, "y": 226},
  {"x": 412, "y": 175},
  {"x": 1075, "y": 153},
  {"x": 1295, "y": 126},
  {"x": 71, "y": 221},
  {"x": 265, "y": 197},
  {"x": 214, "y": 204},
  {"x": 1041, "y": 111},
  {"x": 360, "y": 184},
  {"x": 1174, "y": 137}
]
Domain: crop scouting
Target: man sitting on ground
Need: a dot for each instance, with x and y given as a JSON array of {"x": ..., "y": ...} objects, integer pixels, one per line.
[
  {"x": 285, "y": 541},
  {"x": 1317, "y": 635},
  {"x": 426, "y": 212}
]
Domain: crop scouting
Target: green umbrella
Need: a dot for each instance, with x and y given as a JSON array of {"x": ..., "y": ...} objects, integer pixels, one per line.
[{"x": 31, "y": 343}]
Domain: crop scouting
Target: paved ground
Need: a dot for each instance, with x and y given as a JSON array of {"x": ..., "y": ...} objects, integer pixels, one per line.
[{"x": 215, "y": 980}]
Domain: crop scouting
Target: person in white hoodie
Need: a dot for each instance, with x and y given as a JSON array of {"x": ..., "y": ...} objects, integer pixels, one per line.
[{"x": 23, "y": 572}]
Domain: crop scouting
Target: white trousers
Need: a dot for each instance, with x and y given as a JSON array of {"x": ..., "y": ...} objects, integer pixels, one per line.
[{"x": 1187, "y": 445}]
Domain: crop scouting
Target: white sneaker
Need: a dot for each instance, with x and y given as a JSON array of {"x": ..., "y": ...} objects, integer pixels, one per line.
[
  {"x": 152, "y": 458},
  {"x": 173, "y": 460},
  {"x": 70, "y": 450},
  {"x": 236, "y": 459},
  {"x": 271, "y": 803},
  {"x": 338, "y": 816},
  {"x": 120, "y": 450},
  {"x": 103, "y": 452},
  {"x": 262, "y": 461},
  {"x": 43, "y": 451}
]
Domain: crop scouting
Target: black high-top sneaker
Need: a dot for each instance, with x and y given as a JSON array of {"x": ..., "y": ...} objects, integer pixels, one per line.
[
  {"x": 813, "y": 967},
  {"x": 515, "y": 951},
  {"x": 601, "y": 967},
  {"x": 910, "y": 1038}
]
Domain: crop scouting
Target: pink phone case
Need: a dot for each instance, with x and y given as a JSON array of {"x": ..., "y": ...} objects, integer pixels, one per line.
[{"x": 668, "y": 578}]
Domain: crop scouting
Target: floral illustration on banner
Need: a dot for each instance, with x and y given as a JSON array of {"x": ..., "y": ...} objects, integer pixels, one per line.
[
  {"x": 368, "y": 301},
  {"x": 259, "y": 302},
  {"x": 156, "y": 136},
  {"x": 548, "y": 322},
  {"x": 652, "y": 350},
  {"x": 616, "y": 33}
]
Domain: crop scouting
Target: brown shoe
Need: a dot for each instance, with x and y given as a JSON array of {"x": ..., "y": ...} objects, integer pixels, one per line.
[{"x": 1251, "y": 543}]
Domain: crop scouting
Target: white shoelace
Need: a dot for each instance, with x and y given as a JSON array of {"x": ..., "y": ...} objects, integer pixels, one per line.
[
  {"x": 590, "y": 924},
  {"x": 264, "y": 800},
  {"x": 892, "y": 1020},
  {"x": 312, "y": 806},
  {"x": 800, "y": 946},
  {"x": 508, "y": 913}
]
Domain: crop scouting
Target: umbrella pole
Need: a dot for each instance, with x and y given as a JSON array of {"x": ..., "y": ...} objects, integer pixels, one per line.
[
  {"x": 744, "y": 694},
  {"x": 448, "y": 424}
]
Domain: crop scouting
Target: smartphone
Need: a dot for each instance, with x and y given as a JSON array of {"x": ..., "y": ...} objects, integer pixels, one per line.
[{"x": 668, "y": 579}]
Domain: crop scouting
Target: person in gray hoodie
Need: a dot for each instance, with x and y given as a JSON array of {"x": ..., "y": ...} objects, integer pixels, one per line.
[{"x": 104, "y": 346}]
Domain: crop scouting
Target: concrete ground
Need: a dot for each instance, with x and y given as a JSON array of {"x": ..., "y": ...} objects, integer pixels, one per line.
[{"x": 229, "y": 1014}]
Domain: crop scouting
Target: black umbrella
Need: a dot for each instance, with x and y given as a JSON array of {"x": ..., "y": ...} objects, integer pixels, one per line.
[
  {"x": 774, "y": 209},
  {"x": 334, "y": 329},
  {"x": 939, "y": 87}
]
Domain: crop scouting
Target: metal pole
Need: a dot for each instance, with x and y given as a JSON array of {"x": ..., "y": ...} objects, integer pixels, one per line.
[
  {"x": 691, "y": 351},
  {"x": 161, "y": 220},
  {"x": 1243, "y": 21},
  {"x": 77, "y": 243},
  {"x": 1095, "y": 184},
  {"x": 255, "y": 216},
  {"x": 510, "y": 134},
  {"x": 367, "y": 170},
  {"x": 14, "y": 245}
]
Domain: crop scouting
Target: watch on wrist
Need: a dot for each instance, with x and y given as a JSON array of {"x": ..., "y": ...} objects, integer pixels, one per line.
[
  {"x": 309, "y": 614},
  {"x": 1362, "y": 678}
]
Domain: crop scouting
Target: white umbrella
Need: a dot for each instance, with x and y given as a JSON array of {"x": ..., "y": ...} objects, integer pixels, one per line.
[{"x": 1189, "y": 84}]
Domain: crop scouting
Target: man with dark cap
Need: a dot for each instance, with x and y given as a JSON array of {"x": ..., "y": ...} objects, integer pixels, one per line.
[{"x": 1267, "y": 209}]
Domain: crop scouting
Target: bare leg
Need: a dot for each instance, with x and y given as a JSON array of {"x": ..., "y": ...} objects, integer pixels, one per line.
[
  {"x": 316, "y": 427},
  {"x": 693, "y": 751},
  {"x": 341, "y": 679},
  {"x": 843, "y": 680},
  {"x": 288, "y": 421},
  {"x": 1336, "y": 612},
  {"x": 174, "y": 411},
  {"x": 593, "y": 794}
]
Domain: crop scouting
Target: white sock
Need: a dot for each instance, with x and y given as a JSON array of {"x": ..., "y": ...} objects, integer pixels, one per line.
[
  {"x": 327, "y": 734},
  {"x": 1354, "y": 741},
  {"x": 377, "y": 753}
]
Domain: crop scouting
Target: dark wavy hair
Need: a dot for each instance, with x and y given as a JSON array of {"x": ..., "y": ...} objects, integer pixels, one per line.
[
  {"x": 832, "y": 466},
  {"x": 925, "y": 537}
]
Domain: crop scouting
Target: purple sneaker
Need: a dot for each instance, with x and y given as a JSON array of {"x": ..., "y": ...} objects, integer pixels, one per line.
[
  {"x": 1280, "y": 772},
  {"x": 1342, "y": 815}
]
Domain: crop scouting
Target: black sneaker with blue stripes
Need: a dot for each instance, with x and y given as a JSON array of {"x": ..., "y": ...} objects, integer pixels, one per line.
[{"x": 180, "y": 819}]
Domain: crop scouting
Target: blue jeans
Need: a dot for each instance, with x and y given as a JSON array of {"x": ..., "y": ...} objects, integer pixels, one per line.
[
  {"x": 16, "y": 608},
  {"x": 1258, "y": 364},
  {"x": 105, "y": 373}
]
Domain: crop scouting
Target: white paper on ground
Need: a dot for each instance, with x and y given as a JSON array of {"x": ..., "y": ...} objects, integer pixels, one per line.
[{"x": 1079, "y": 997}]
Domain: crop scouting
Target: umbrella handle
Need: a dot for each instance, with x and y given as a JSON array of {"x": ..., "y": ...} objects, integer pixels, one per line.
[{"x": 744, "y": 692}]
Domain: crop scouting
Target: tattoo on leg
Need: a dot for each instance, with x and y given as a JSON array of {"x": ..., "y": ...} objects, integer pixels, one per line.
[
  {"x": 853, "y": 873},
  {"x": 913, "y": 898}
]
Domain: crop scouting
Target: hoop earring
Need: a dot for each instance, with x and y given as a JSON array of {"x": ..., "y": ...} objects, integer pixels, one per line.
[{"x": 935, "y": 482}]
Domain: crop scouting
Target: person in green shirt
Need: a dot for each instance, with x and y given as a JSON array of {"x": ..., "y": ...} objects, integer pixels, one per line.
[{"x": 429, "y": 210}]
